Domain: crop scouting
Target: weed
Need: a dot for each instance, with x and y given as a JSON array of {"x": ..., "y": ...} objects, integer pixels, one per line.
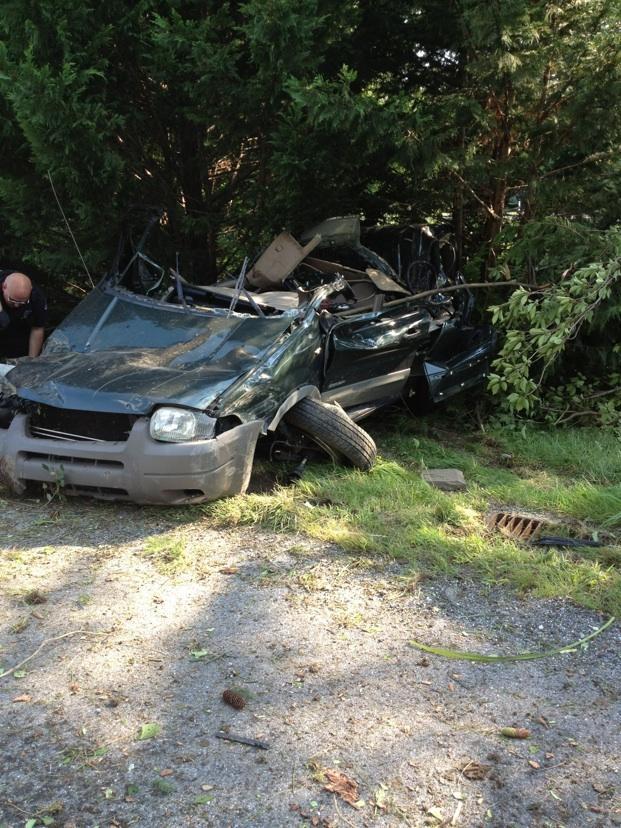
[
  {"x": 316, "y": 771},
  {"x": 20, "y": 624},
  {"x": 162, "y": 787},
  {"x": 54, "y": 489},
  {"x": 84, "y": 756},
  {"x": 312, "y": 580},
  {"x": 167, "y": 552}
]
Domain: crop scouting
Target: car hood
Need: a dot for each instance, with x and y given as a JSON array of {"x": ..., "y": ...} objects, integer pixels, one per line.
[{"x": 213, "y": 353}]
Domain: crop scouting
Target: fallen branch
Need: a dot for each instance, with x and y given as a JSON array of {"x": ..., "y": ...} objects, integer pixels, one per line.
[
  {"x": 466, "y": 286},
  {"x": 341, "y": 815},
  {"x": 243, "y": 740},
  {"x": 47, "y": 641},
  {"x": 15, "y": 807},
  {"x": 489, "y": 210},
  {"x": 466, "y": 656}
]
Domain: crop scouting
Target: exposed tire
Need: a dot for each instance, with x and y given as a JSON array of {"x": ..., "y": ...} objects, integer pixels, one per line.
[{"x": 331, "y": 426}]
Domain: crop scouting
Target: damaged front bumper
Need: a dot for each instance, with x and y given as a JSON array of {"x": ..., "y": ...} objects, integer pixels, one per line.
[{"x": 138, "y": 469}]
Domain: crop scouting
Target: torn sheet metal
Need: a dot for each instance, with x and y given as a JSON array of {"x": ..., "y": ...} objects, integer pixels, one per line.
[{"x": 279, "y": 260}]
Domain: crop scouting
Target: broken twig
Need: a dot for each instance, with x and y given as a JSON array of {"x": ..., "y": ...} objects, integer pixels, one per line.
[
  {"x": 43, "y": 644},
  {"x": 243, "y": 740}
]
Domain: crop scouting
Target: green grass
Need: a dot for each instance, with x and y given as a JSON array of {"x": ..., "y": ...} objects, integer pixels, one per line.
[
  {"x": 391, "y": 512},
  {"x": 594, "y": 454},
  {"x": 167, "y": 552}
]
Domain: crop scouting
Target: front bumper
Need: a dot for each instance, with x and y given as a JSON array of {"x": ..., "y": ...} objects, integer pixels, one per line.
[{"x": 140, "y": 469}]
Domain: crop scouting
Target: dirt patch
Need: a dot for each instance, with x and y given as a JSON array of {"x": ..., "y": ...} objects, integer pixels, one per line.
[{"x": 146, "y": 619}]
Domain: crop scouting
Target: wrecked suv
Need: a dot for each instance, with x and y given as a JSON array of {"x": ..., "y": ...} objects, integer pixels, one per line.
[{"x": 156, "y": 390}]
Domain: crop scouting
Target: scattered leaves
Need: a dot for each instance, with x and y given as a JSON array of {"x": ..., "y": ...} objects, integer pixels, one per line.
[
  {"x": 166, "y": 772},
  {"x": 534, "y": 764},
  {"x": 162, "y": 787},
  {"x": 197, "y": 655},
  {"x": 380, "y": 798},
  {"x": 149, "y": 731},
  {"x": 475, "y": 770},
  {"x": 339, "y": 783}
]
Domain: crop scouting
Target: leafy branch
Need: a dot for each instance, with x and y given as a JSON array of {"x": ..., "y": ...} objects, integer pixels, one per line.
[{"x": 541, "y": 324}]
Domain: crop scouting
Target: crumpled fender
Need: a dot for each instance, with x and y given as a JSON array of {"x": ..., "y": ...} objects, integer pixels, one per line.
[{"x": 293, "y": 398}]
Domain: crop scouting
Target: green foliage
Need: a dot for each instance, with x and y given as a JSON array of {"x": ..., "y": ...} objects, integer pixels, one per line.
[
  {"x": 222, "y": 113},
  {"x": 563, "y": 451},
  {"x": 560, "y": 357}
]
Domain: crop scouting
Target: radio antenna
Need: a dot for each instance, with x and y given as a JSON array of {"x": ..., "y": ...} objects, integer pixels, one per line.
[{"x": 62, "y": 212}]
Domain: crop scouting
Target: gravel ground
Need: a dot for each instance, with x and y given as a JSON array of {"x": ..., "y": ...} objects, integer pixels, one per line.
[{"x": 319, "y": 645}]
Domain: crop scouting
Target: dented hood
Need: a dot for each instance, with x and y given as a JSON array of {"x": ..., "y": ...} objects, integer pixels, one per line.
[{"x": 184, "y": 359}]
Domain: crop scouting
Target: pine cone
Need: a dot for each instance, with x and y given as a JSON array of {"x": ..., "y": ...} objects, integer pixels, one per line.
[{"x": 236, "y": 700}]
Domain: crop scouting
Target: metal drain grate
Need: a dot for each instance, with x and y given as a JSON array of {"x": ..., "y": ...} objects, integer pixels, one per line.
[{"x": 521, "y": 527}]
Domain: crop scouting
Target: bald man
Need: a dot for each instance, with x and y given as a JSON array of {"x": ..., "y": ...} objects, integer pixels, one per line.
[{"x": 23, "y": 315}]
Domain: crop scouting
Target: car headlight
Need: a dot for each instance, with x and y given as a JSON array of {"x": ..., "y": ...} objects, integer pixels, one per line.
[{"x": 178, "y": 425}]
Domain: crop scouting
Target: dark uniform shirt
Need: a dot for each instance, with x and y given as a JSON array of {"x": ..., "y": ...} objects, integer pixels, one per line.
[{"x": 16, "y": 323}]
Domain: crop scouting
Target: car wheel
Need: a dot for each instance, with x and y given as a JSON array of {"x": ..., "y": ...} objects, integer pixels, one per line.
[{"x": 330, "y": 426}]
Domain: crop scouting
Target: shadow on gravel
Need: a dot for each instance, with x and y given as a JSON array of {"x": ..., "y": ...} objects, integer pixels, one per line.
[{"x": 320, "y": 646}]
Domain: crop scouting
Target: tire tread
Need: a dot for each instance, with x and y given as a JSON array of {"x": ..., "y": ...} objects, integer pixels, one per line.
[{"x": 332, "y": 426}]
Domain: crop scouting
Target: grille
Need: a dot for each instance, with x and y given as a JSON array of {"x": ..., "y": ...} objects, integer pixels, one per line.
[
  {"x": 102, "y": 492},
  {"x": 75, "y": 462},
  {"x": 522, "y": 527},
  {"x": 47, "y": 422}
]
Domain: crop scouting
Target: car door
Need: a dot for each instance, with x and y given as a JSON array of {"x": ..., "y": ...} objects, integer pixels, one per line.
[
  {"x": 368, "y": 355},
  {"x": 459, "y": 359}
]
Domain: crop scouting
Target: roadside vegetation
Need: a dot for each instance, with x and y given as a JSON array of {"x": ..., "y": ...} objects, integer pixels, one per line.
[{"x": 569, "y": 477}]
